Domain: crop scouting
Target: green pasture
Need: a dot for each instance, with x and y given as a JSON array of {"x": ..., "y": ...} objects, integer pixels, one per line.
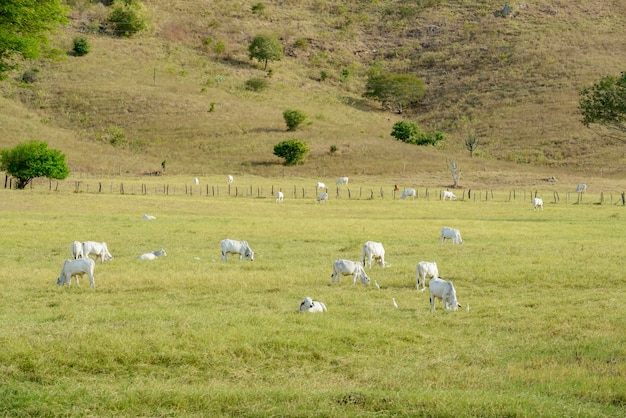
[{"x": 190, "y": 335}]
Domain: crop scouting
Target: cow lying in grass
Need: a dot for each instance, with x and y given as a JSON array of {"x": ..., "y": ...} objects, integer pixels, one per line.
[
  {"x": 153, "y": 255},
  {"x": 312, "y": 306},
  {"x": 75, "y": 268}
]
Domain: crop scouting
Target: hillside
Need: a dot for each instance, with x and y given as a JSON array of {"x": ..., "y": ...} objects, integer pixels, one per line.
[{"x": 513, "y": 82}]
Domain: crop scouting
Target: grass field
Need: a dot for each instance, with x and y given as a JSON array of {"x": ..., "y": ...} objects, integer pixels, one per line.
[{"x": 180, "y": 336}]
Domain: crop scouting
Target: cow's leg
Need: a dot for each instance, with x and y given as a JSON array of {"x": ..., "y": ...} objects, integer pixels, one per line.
[{"x": 92, "y": 282}]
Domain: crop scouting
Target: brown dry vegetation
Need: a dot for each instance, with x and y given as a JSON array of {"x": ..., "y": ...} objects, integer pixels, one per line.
[{"x": 513, "y": 82}]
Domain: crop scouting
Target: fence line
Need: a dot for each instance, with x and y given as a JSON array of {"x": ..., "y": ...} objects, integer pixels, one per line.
[{"x": 340, "y": 192}]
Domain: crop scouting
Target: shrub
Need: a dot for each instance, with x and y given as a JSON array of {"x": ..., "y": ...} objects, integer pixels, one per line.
[
  {"x": 294, "y": 118},
  {"x": 256, "y": 84},
  {"x": 81, "y": 46},
  {"x": 126, "y": 18},
  {"x": 293, "y": 151},
  {"x": 30, "y": 76},
  {"x": 411, "y": 133}
]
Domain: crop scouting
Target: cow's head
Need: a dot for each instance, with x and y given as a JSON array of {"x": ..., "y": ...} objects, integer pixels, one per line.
[{"x": 250, "y": 254}]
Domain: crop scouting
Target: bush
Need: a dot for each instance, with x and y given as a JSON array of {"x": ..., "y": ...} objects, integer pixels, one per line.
[
  {"x": 126, "y": 18},
  {"x": 30, "y": 76},
  {"x": 293, "y": 151},
  {"x": 81, "y": 46},
  {"x": 256, "y": 84},
  {"x": 294, "y": 118},
  {"x": 411, "y": 133}
]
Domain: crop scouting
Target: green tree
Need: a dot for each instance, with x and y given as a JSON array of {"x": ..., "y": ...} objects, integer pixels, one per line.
[
  {"x": 471, "y": 143},
  {"x": 24, "y": 26},
  {"x": 29, "y": 160},
  {"x": 81, "y": 46},
  {"x": 127, "y": 18},
  {"x": 604, "y": 103},
  {"x": 265, "y": 48},
  {"x": 294, "y": 119},
  {"x": 293, "y": 151},
  {"x": 399, "y": 90}
]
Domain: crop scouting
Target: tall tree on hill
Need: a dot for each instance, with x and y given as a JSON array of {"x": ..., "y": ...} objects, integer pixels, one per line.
[
  {"x": 604, "y": 104},
  {"x": 399, "y": 90},
  {"x": 24, "y": 25},
  {"x": 265, "y": 48}
]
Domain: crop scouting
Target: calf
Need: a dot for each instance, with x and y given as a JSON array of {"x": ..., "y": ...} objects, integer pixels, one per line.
[
  {"x": 76, "y": 250},
  {"x": 537, "y": 203},
  {"x": 312, "y": 306},
  {"x": 75, "y": 268}
]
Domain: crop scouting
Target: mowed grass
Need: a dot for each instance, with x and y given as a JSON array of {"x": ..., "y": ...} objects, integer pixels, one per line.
[{"x": 180, "y": 336}]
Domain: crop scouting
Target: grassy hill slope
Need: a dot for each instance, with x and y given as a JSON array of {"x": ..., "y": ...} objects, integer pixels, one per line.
[{"x": 513, "y": 82}]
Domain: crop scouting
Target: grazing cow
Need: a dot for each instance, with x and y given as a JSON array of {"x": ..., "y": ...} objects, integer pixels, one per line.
[
  {"x": 342, "y": 180},
  {"x": 76, "y": 249},
  {"x": 446, "y": 194},
  {"x": 312, "y": 306},
  {"x": 444, "y": 290},
  {"x": 153, "y": 255},
  {"x": 452, "y": 234},
  {"x": 148, "y": 217},
  {"x": 425, "y": 270},
  {"x": 581, "y": 188},
  {"x": 280, "y": 196},
  {"x": 99, "y": 249},
  {"x": 537, "y": 203},
  {"x": 75, "y": 268},
  {"x": 373, "y": 250},
  {"x": 230, "y": 179},
  {"x": 409, "y": 193},
  {"x": 320, "y": 185},
  {"x": 323, "y": 197},
  {"x": 347, "y": 267},
  {"x": 230, "y": 246}
]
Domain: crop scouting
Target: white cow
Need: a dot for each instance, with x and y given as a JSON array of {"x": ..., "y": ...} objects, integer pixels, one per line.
[
  {"x": 196, "y": 181},
  {"x": 148, "y": 217},
  {"x": 323, "y": 197},
  {"x": 581, "y": 188},
  {"x": 347, "y": 267},
  {"x": 76, "y": 249},
  {"x": 446, "y": 194},
  {"x": 445, "y": 291},
  {"x": 99, "y": 249},
  {"x": 452, "y": 234},
  {"x": 153, "y": 255},
  {"x": 280, "y": 196},
  {"x": 425, "y": 270},
  {"x": 320, "y": 185},
  {"x": 373, "y": 250},
  {"x": 409, "y": 193},
  {"x": 537, "y": 203},
  {"x": 342, "y": 180},
  {"x": 75, "y": 268},
  {"x": 312, "y": 306},
  {"x": 230, "y": 246},
  {"x": 230, "y": 179}
]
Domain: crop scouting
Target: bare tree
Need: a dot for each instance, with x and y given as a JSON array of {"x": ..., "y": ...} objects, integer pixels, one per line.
[{"x": 456, "y": 172}]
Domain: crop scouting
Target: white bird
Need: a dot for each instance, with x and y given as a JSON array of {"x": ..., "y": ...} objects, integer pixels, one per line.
[
  {"x": 394, "y": 303},
  {"x": 467, "y": 307},
  {"x": 376, "y": 284},
  {"x": 196, "y": 258},
  {"x": 195, "y": 180}
]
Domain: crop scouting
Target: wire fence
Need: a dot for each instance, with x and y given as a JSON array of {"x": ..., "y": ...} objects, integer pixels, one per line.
[{"x": 298, "y": 192}]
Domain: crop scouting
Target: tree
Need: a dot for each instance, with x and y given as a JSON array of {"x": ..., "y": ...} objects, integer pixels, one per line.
[
  {"x": 293, "y": 151},
  {"x": 127, "y": 18},
  {"x": 24, "y": 25},
  {"x": 471, "y": 143},
  {"x": 265, "y": 48},
  {"x": 399, "y": 90},
  {"x": 604, "y": 103},
  {"x": 29, "y": 160},
  {"x": 294, "y": 118},
  {"x": 455, "y": 171}
]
